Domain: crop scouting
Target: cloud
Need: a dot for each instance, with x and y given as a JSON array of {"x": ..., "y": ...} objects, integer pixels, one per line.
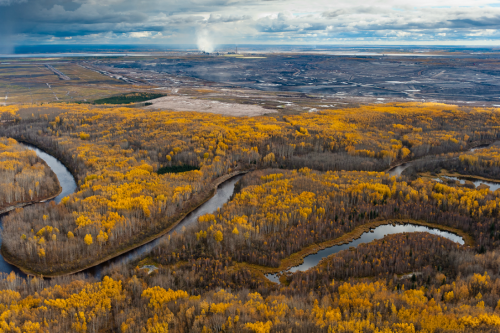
[
  {"x": 353, "y": 10},
  {"x": 219, "y": 18},
  {"x": 140, "y": 34},
  {"x": 213, "y": 22},
  {"x": 483, "y": 33},
  {"x": 10, "y": 2}
]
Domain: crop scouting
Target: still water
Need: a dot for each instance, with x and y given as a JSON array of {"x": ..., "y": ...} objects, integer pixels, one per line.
[
  {"x": 69, "y": 186},
  {"x": 224, "y": 193},
  {"x": 377, "y": 233},
  {"x": 67, "y": 183},
  {"x": 492, "y": 185}
]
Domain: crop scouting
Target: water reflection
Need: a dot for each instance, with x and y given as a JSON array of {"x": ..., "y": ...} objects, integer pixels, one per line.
[
  {"x": 224, "y": 192},
  {"x": 493, "y": 186},
  {"x": 65, "y": 177},
  {"x": 398, "y": 170},
  {"x": 377, "y": 233},
  {"x": 68, "y": 186}
]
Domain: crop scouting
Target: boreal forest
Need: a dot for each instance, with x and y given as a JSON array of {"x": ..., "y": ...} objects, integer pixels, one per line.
[{"x": 302, "y": 185}]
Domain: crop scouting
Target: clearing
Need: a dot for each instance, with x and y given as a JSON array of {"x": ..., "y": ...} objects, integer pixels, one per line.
[{"x": 179, "y": 103}]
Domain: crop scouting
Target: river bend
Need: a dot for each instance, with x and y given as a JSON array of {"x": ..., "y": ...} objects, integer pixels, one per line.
[
  {"x": 367, "y": 237},
  {"x": 67, "y": 183},
  {"x": 223, "y": 194}
]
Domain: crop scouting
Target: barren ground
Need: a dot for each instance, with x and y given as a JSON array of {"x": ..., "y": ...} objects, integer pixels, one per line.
[{"x": 180, "y": 103}]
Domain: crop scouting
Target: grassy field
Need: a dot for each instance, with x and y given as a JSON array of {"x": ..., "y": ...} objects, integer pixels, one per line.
[{"x": 23, "y": 82}]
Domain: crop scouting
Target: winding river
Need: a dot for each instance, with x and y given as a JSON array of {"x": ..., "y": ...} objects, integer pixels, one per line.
[
  {"x": 376, "y": 233},
  {"x": 223, "y": 194},
  {"x": 383, "y": 230},
  {"x": 477, "y": 182},
  {"x": 67, "y": 183},
  {"x": 398, "y": 169}
]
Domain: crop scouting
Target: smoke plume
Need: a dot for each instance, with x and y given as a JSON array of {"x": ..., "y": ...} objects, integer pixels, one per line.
[{"x": 205, "y": 41}]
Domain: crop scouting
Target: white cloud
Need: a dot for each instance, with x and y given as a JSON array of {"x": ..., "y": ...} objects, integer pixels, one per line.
[
  {"x": 213, "y": 22},
  {"x": 140, "y": 34},
  {"x": 482, "y": 33},
  {"x": 403, "y": 34}
]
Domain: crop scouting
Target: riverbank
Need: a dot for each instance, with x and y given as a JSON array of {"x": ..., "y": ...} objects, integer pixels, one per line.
[
  {"x": 474, "y": 145},
  {"x": 52, "y": 152},
  {"x": 448, "y": 173},
  {"x": 166, "y": 225},
  {"x": 177, "y": 220},
  {"x": 21, "y": 204},
  {"x": 297, "y": 258},
  {"x": 28, "y": 203}
]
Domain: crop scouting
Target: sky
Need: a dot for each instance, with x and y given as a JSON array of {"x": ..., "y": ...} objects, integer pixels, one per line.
[{"x": 208, "y": 23}]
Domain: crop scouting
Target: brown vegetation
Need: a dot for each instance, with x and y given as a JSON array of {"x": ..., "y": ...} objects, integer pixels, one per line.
[
  {"x": 206, "y": 281},
  {"x": 24, "y": 177}
]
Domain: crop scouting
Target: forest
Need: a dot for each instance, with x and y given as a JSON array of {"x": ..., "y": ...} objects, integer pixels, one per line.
[
  {"x": 315, "y": 179},
  {"x": 276, "y": 215},
  {"x": 450, "y": 298},
  {"x": 128, "y": 98},
  {"x": 483, "y": 163},
  {"x": 24, "y": 177}
]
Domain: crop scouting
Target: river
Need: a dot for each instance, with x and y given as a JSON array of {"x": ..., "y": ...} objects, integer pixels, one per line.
[
  {"x": 69, "y": 186},
  {"x": 67, "y": 183},
  {"x": 398, "y": 169},
  {"x": 477, "y": 182},
  {"x": 376, "y": 233},
  {"x": 223, "y": 194}
]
